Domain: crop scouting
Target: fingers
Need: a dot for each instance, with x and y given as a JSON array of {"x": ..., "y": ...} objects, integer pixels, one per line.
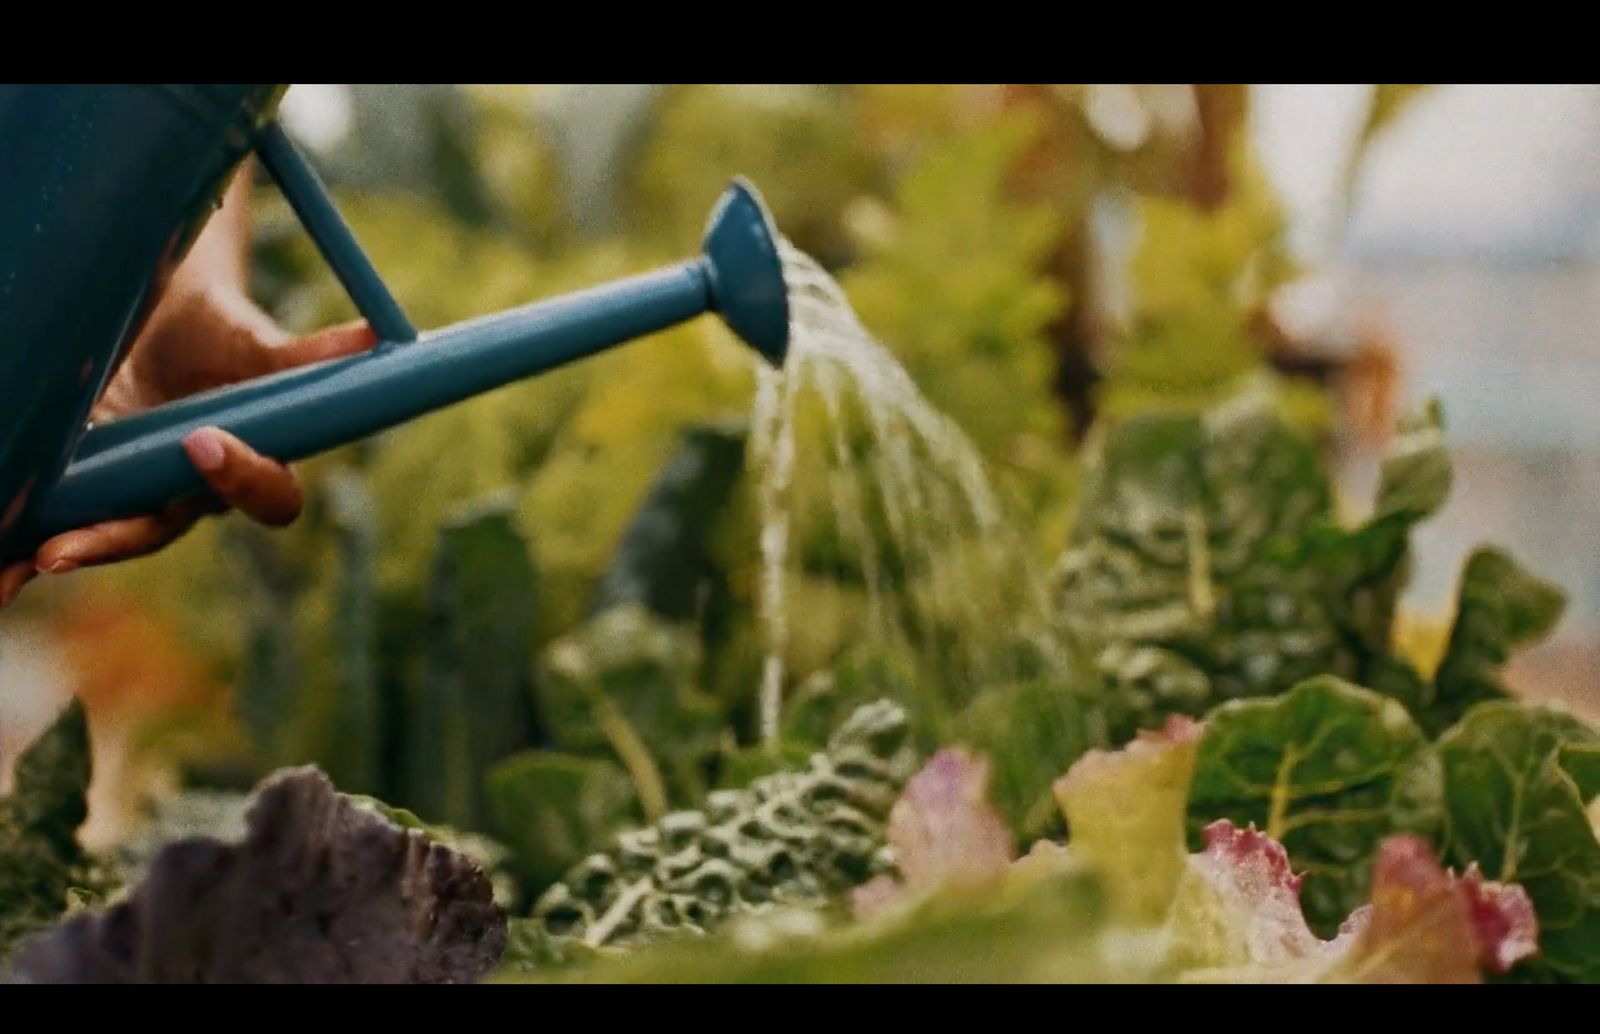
[
  {"x": 12, "y": 579},
  {"x": 240, "y": 477},
  {"x": 332, "y": 343},
  {"x": 115, "y": 540},
  {"x": 263, "y": 489}
]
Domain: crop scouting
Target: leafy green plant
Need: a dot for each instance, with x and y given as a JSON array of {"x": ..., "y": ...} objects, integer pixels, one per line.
[
  {"x": 44, "y": 871},
  {"x": 791, "y": 838},
  {"x": 1208, "y": 564}
]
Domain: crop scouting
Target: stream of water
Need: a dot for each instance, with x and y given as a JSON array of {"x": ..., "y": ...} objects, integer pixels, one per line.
[{"x": 865, "y": 484}]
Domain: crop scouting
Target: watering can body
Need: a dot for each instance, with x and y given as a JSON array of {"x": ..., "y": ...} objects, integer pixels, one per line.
[{"x": 103, "y": 187}]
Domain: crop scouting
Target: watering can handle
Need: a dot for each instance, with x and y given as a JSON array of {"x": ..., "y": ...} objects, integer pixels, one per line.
[
  {"x": 137, "y": 464},
  {"x": 152, "y": 479},
  {"x": 309, "y": 199}
]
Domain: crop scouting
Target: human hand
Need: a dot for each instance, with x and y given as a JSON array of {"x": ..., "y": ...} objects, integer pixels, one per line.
[{"x": 205, "y": 333}]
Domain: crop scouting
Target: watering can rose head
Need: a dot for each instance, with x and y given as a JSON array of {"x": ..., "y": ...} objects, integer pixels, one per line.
[{"x": 96, "y": 331}]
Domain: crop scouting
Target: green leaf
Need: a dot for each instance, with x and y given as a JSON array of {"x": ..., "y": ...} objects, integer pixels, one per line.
[
  {"x": 353, "y": 753},
  {"x": 740, "y": 768},
  {"x": 794, "y": 837},
  {"x": 1125, "y": 810},
  {"x": 1031, "y": 731},
  {"x": 551, "y": 809},
  {"x": 624, "y": 684},
  {"x": 1501, "y": 607},
  {"x": 1328, "y": 770},
  {"x": 1208, "y": 565},
  {"x": 1189, "y": 572},
  {"x": 1045, "y": 925},
  {"x": 1416, "y": 473},
  {"x": 664, "y": 559},
  {"x": 42, "y": 866},
  {"x": 475, "y": 697},
  {"x": 1517, "y": 811}
]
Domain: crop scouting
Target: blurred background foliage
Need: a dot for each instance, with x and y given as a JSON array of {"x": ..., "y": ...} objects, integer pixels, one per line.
[{"x": 535, "y": 613}]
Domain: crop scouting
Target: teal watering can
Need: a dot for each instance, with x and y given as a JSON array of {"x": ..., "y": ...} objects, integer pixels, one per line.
[{"x": 103, "y": 188}]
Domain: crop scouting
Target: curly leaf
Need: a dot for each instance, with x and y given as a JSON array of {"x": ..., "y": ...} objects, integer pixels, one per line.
[
  {"x": 1515, "y": 809},
  {"x": 798, "y": 838},
  {"x": 1238, "y": 919},
  {"x": 1329, "y": 770}
]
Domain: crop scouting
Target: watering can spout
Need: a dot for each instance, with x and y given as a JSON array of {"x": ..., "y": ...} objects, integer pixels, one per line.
[
  {"x": 137, "y": 464},
  {"x": 745, "y": 271}
]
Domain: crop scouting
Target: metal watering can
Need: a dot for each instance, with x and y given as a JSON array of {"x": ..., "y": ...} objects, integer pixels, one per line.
[{"x": 103, "y": 188}]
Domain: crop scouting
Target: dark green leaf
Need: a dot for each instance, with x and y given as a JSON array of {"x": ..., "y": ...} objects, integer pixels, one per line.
[
  {"x": 42, "y": 866},
  {"x": 1328, "y": 769},
  {"x": 625, "y": 684},
  {"x": 476, "y": 695},
  {"x": 551, "y": 809},
  {"x": 1501, "y": 607},
  {"x": 664, "y": 560},
  {"x": 793, "y": 837},
  {"x": 352, "y": 755},
  {"x": 1515, "y": 809},
  {"x": 1031, "y": 732}
]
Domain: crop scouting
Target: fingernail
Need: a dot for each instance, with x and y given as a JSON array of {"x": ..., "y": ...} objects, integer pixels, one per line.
[
  {"x": 204, "y": 450},
  {"x": 61, "y": 565}
]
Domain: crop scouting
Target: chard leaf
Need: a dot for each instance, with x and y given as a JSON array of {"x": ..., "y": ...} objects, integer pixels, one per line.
[
  {"x": 43, "y": 869},
  {"x": 1191, "y": 572},
  {"x": 1329, "y": 770},
  {"x": 320, "y": 890},
  {"x": 1207, "y": 563},
  {"x": 1501, "y": 607},
  {"x": 1516, "y": 810},
  {"x": 1416, "y": 474}
]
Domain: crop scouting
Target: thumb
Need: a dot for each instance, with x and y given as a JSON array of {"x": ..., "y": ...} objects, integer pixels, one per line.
[{"x": 331, "y": 343}]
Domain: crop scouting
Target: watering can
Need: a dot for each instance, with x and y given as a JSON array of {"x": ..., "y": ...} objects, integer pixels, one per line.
[{"x": 102, "y": 190}]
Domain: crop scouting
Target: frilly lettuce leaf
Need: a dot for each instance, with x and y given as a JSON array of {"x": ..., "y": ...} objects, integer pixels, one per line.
[
  {"x": 1124, "y": 812},
  {"x": 1238, "y": 920},
  {"x": 942, "y": 831}
]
